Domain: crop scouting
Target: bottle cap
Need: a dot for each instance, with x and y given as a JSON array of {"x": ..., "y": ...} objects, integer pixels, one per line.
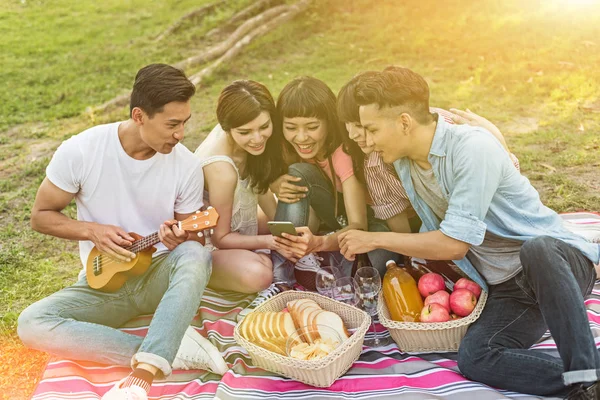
[{"x": 390, "y": 262}]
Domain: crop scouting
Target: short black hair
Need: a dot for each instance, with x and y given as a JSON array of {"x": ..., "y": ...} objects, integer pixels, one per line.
[
  {"x": 159, "y": 84},
  {"x": 311, "y": 98},
  {"x": 395, "y": 87}
]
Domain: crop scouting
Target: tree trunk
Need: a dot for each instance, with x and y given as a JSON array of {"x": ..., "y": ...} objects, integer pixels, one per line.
[
  {"x": 294, "y": 10},
  {"x": 192, "y": 14}
]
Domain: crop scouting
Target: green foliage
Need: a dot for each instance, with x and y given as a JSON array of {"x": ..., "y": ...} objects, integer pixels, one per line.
[{"x": 62, "y": 56}]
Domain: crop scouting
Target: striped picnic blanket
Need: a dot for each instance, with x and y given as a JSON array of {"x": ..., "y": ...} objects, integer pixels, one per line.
[{"x": 381, "y": 373}]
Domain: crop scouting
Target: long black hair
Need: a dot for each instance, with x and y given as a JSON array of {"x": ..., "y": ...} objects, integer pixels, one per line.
[
  {"x": 241, "y": 102},
  {"x": 310, "y": 97}
]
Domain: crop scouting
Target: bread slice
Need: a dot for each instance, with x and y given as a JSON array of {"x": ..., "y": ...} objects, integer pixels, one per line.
[
  {"x": 276, "y": 324},
  {"x": 270, "y": 324},
  {"x": 258, "y": 327},
  {"x": 247, "y": 326},
  {"x": 288, "y": 325},
  {"x": 307, "y": 324},
  {"x": 292, "y": 306},
  {"x": 303, "y": 313},
  {"x": 308, "y": 306},
  {"x": 333, "y": 321},
  {"x": 276, "y": 345},
  {"x": 271, "y": 330},
  {"x": 296, "y": 307},
  {"x": 313, "y": 333}
]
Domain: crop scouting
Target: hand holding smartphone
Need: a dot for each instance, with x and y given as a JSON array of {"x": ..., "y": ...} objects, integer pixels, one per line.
[{"x": 279, "y": 227}]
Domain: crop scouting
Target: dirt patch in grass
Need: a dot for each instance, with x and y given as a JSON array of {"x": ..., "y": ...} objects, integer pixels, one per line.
[
  {"x": 585, "y": 176},
  {"x": 519, "y": 126},
  {"x": 41, "y": 149},
  {"x": 22, "y": 144}
]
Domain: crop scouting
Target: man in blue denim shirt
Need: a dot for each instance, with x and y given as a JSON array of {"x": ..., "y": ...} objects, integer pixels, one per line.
[{"x": 479, "y": 211}]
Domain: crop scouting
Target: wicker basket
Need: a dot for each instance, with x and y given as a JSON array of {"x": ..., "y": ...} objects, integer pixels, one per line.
[
  {"x": 431, "y": 336},
  {"x": 322, "y": 372}
]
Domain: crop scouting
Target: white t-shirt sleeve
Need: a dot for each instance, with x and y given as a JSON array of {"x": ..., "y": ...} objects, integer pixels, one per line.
[
  {"x": 66, "y": 167},
  {"x": 190, "y": 195}
]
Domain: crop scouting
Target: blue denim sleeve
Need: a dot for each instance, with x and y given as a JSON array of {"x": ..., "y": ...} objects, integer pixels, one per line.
[{"x": 477, "y": 160}]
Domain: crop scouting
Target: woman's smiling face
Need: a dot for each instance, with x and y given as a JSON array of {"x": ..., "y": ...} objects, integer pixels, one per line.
[
  {"x": 253, "y": 136},
  {"x": 357, "y": 133},
  {"x": 307, "y": 135}
]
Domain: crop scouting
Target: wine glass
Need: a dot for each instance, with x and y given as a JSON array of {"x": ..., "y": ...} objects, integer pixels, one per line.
[
  {"x": 368, "y": 285},
  {"x": 325, "y": 280},
  {"x": 345, "y": 291}
]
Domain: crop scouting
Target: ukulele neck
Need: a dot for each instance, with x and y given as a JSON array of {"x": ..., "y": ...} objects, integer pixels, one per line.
[{"x": 144, "y": 243}]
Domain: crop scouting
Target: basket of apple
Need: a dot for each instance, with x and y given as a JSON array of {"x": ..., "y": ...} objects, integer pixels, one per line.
[{"x": 444, "y": 319}]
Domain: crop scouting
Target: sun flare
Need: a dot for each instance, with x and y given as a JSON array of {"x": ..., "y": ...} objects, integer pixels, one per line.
[{"x": 576, "y": 3}]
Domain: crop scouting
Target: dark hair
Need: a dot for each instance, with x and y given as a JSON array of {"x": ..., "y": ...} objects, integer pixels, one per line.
[
  {"x": 159, "y": 84},
  {"x": 347, "y": 107},
  {"x": 395, "y": 86},
  {"x": 310, "y": 97},
  {"x": 241, "y": 102}
]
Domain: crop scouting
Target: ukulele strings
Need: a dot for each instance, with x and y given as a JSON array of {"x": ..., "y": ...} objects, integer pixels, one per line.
[
  {"x": 136, "y": 247},
  {"x": 144, "y": 241}
]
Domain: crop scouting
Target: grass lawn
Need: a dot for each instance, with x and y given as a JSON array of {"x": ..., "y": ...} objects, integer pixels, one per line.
[{"x": 531, "y": 67}]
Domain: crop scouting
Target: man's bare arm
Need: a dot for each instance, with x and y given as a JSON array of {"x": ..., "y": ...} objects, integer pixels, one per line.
[{"x": 47, "y": 218}]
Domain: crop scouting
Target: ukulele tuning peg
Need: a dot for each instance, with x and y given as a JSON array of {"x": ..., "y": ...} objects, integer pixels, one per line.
[
  {"x": 206, "y": 222},
  {"x": 195, "y": 226},
  {"x": 209, "y": 207},
  {"x": 200, "y": 234}
]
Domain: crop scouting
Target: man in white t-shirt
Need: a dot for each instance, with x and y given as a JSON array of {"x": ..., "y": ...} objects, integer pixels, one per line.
[{"x": 130, "y": 176}]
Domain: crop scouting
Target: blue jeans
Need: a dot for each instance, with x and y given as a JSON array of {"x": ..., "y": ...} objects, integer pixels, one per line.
[
  {"x": 547, "y": 294},
  {"x": 80, "y": 323},
  {"x": 321, "y": 198}
]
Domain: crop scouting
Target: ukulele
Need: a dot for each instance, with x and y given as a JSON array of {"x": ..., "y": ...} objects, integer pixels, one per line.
[{"x": 108, "y": 275}]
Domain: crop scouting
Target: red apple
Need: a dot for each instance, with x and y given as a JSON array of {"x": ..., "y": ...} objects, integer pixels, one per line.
[
  {"x": 434, "y": 313},
  {"x": 440, "y": 297},
  {"x": 430, "y": 283},
  {"x": 464, "y": 283},
  {"x": 462, "y": 302}
]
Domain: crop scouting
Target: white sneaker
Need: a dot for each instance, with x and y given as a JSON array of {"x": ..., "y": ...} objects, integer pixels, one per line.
[
  {"x": 305, "y": 271},
  {"x": 309, "y": 263},
  {"x": 261, "y": 297},
  {"x": 196, "y": 352},
  {"x": 128, "y": 393}
]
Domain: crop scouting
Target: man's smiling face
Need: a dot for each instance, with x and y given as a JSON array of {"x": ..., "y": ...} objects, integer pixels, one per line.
[{"x": 383, "y": 133}]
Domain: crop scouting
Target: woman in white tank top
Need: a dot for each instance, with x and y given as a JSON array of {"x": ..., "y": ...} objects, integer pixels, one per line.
[{"x": 241, "y": 156}]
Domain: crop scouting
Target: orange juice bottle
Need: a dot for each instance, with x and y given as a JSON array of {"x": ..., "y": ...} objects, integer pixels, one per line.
[{"x": 401, "y": 294}]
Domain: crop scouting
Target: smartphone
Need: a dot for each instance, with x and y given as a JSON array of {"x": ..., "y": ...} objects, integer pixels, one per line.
[{"x": 279, "y": 227}]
